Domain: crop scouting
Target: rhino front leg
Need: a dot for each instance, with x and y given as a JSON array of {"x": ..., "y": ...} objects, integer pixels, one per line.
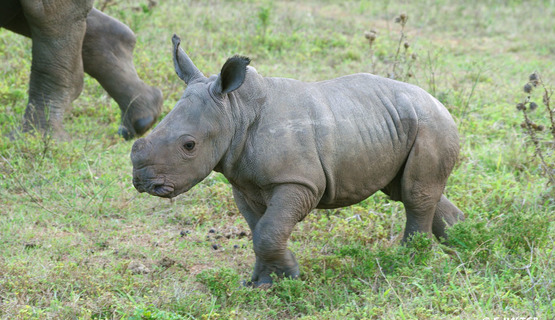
[
  {"x": 251, "y": 211},
  {"x": 57, "y": 29},
  {"x": 108, "y": 57},
  {"x": 288, "y": 205}
]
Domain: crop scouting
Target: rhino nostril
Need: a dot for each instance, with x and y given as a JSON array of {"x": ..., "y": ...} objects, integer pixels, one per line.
[{"x": 138, "y": 185}]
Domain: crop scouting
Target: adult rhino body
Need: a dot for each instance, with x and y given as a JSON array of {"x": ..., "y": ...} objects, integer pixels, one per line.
[
  {"x": 288, "y": 147},
  {"x": 71, "y": 37}
]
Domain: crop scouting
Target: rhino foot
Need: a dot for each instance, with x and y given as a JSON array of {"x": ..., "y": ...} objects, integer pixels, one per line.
[
  {"x": 140, "y": 126},
  {"x": 141, "y": 114},
  {"x": 263, "y": 271}
]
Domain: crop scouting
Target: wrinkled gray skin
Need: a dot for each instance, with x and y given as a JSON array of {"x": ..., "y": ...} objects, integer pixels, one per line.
[
  {"x": 70, "y": 37},
  {"x": 288, "y": 147}
]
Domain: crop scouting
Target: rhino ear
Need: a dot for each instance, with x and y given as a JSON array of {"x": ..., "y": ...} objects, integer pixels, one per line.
[
  {"x": 184, "y": 67},
  {"x": 232, "y": 75}
]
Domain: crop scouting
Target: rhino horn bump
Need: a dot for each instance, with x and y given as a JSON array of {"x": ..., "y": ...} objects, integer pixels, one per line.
[{"x": 184, "y": 67}]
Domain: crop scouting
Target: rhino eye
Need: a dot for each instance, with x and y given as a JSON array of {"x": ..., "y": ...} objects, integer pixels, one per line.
[{"x": 189, "y": 145}]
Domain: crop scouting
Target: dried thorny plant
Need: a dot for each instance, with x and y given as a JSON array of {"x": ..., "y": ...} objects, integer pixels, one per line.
[
  {"x": 402, "y": 20},
  {"x": 102, "y": 5},
  {"x": 401, "y": 63},
  {"x": 544, "y": 146},
  {"x": 371, "y": 37},
  {"x": 142, "y": 7}
]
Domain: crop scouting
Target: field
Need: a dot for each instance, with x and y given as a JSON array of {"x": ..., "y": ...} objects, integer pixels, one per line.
[{"x": 78, "y": 242}]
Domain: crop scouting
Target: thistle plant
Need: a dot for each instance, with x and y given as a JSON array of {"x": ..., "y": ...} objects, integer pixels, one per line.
[
  {"x": 402, "y": 20},
  {"x": 400, "y": 63},
  {"x": 544, "y": 145},
  {"x": 371, "y": 37}
]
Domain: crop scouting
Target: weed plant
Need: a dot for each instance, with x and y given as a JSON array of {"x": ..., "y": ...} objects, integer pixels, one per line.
[{"x": 544, "y": 143}]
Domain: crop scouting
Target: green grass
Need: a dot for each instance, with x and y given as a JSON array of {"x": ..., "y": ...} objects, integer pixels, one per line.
[{"x": 78, "y": 242}]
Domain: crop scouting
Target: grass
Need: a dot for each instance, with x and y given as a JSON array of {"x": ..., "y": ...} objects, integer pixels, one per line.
[{"x": 78, "y": 242}]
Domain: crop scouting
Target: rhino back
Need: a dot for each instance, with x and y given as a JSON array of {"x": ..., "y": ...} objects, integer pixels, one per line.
[{"x": 344, "y": 138}]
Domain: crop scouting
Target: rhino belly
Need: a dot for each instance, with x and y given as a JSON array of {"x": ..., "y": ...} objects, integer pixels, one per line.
[
  {"x": 359, "y": 162},
  {"x": 353, "y": 182}
]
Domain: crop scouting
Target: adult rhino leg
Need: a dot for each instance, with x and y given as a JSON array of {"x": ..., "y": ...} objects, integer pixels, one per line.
[
  {"x": 108, "y": 57},
  {"x": 287, "y": 206},
  {"x": 428, "y": 166},
  {"x": 57, "y": 29},
  {"x": 446, "y": 215}
]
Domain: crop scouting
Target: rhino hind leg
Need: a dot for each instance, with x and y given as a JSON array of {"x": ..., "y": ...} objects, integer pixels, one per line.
[
  {"x": 108, "y": 57},
  {"x": 423, "y": 180},
  {"x": 446, "y": 215}
]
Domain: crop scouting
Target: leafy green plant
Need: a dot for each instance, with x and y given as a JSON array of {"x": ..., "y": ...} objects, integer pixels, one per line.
[
  {"x": 221, "y": 282},
  {"x": 150, "y": 312},
  {"x": 264, "y": 14}
]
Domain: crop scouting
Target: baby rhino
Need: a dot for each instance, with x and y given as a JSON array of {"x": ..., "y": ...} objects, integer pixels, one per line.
[{"x": 288, "y": 147}]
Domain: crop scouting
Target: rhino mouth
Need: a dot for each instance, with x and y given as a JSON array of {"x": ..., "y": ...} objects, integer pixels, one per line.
[
  {"x": 164, "y": 191},
  {"x": 160, "y": 186},
  {"x": 167, "y": 190},
  {"x": 155, "y": 187}
]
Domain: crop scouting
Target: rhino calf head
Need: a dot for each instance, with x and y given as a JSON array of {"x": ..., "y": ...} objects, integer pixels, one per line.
[
  {"x": 288, "y": 147},
  {"x": 190, "y": 141}
]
